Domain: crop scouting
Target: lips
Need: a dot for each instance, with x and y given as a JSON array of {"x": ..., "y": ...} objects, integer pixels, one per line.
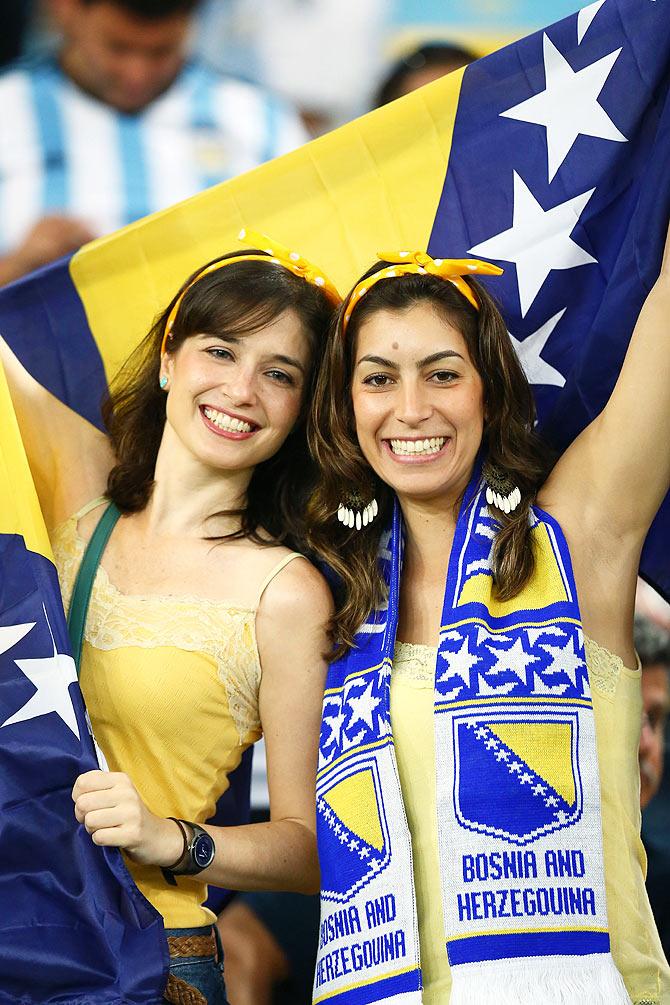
[
  {"x": 228, "y": 423},
  {"x": 425, "y": 447}
]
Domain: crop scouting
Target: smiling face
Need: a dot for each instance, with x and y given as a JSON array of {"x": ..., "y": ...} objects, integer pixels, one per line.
[
  {"x": 232, "y": 402},
  {"x": 418, "y": 403}
]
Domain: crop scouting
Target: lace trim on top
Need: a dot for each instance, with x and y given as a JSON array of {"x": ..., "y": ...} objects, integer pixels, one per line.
[
  {"x": 412, "y": 661},
  {"x": 223, "y": 631},
  {"x": 604, "y": 667}
]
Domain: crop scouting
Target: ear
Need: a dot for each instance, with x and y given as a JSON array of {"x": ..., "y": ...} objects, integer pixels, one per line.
[{"x": 167, "y": 367}]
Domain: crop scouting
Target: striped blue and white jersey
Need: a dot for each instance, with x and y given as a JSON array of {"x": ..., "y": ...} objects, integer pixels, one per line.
[{"x": 63, "y": 151}]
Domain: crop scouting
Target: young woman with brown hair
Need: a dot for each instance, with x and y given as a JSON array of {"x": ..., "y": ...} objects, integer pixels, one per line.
[
  {"x": 484, "y": 634},
  {"x": 204, "y": 628}
]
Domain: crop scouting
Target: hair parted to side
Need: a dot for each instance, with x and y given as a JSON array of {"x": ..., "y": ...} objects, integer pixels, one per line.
[
  {"x": 235, "y": 301},
  {"x": 510, "y": 443}
]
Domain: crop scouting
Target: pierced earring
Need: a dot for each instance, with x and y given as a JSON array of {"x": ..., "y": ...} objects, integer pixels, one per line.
[
  {"x": 352, "y": 513},
  {"x": 163, "y": 383},
  {"x": 500, "y": 489}
]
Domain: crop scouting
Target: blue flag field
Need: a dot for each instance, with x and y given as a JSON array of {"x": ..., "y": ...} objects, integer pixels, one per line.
[
  {"x": 74, "y": 929},
  {"x": 549, "y": 157}
]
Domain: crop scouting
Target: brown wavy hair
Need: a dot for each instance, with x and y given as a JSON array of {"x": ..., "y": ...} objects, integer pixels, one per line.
[
  {"x": 510, "y": 443},
  {"x": 235, "y": 301}
]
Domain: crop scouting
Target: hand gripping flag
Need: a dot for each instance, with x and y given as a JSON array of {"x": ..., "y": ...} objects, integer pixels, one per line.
[{"x": 73, "y": 927}]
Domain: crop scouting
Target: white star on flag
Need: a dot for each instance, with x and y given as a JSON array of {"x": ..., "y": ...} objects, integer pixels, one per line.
[
  {"x": 51, "y": 675},
  {"x": 568, "y": 107},
  {"x": 537, "y": 370},
  {"x": 538, "y": 240},
  {"x": 585, "y": 19}
]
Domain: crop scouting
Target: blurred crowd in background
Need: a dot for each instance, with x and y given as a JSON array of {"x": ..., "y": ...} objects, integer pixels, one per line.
[{"x": 111, "y": 109}]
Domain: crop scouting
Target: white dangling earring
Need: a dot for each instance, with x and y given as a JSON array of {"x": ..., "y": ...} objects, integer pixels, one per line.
[
  {"x": 350, "y": 514},
  {"x": 501, "y": 491}
]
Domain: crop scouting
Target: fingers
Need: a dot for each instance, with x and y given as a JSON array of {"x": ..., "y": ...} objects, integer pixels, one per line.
[
  {"x": 94, "y": 781},
  {"x": 108, "y": 799}
]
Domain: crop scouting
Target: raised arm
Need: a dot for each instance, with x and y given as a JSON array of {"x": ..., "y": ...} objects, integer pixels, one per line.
[
  {"x": 280, "y": 854},
  {"x": 613, "y": 478},
  {"x": 69, "y": 458},
  {"x": 607, "y": 487}
]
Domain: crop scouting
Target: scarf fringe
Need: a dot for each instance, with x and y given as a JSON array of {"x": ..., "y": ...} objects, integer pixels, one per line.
[{"x": 543, "y": 980}]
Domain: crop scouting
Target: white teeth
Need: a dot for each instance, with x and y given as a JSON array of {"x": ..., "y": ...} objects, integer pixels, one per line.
[
  {"x": 227, "y": 422},
  {"x": 427, "y": 446}
]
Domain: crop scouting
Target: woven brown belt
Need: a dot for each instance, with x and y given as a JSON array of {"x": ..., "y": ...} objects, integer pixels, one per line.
[
  {"x": 178, "y": 991},
  {"x": 192, "y": 945}
]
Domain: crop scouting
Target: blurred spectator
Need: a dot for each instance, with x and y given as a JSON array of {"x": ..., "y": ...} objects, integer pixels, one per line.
[
  {"x": 117, "y": 124},
  {"x": 323, "y": 55},
  {"x": 653, "y": 647},
  {"x": 652, "y": 642},
  {"x": 269, "y": 944},
  {"x": 269, "y": 939},
  {"x": 15, "y": 18},
  {"x": 419, "y": 67}
]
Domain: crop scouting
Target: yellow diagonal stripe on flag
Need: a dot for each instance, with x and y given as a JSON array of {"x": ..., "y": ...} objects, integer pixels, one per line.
[
  {"x": 373, "y": 183},
  {"x": 19, "y": 509}
]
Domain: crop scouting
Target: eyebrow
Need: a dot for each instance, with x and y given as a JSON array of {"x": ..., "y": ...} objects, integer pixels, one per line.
[
  {"x": 288, "y": 361},
  {"x": 275, "y": 358},
  {"x": 434, "y": 358}
]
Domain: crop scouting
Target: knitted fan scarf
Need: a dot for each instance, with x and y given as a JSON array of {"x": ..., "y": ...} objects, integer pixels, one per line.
[{"x": 518, "y": 800}]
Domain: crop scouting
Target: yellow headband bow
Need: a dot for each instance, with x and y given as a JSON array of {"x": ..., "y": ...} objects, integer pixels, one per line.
[
  {"x": 407, "y": 263},
  {"x": 278, "y": 255}
]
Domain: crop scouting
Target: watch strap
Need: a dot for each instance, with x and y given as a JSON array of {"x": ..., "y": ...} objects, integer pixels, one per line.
[
  {"x": 186, "y": 864},
  {"x": 169, "y": 870}
]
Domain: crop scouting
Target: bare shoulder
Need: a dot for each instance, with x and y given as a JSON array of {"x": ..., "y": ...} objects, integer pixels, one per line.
[{"x": 297, "y": 592}]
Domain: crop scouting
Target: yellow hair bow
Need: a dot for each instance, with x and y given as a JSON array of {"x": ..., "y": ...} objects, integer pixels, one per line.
[
  {"x": 405, "y": 263},
  {"x": 279, "y": 255}
]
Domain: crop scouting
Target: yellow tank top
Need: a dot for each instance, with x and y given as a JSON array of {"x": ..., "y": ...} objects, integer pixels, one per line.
[
  {"x": 171, "y": 686},
  {"x": 617, "y": 704}
]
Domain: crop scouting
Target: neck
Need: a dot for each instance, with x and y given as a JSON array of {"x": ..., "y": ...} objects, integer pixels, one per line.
[
  {"x": 187, "y": 493},
  {"x": 429, "y": 530}
]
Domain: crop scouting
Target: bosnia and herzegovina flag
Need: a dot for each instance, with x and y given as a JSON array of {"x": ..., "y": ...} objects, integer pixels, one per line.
[
  {"x": 550, "y": 157},
  {"x": 73, "y": 927}
]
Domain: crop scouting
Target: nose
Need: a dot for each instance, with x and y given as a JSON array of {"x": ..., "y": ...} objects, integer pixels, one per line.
[
  {"x": 239, "y": 387},
  {"x": 413, "y": 405}
]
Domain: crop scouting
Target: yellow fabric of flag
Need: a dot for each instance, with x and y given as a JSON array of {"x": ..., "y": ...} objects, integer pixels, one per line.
[
  {"x": 374, "y": 183},
  {"x": 20, "y": 511}
]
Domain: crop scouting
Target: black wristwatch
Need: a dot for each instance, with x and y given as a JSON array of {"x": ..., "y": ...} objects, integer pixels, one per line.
[{"x": 197, "y": 854}]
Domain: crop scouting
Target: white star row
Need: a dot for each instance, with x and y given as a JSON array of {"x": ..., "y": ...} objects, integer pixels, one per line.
[{"x": 567, "y": 108}]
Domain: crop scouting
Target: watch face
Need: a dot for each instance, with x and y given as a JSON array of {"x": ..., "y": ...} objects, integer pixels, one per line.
[{"x": 202, "y": 850}]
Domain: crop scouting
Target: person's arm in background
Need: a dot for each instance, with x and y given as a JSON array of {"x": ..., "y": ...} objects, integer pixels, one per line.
[{"x": 50, "y": 238}]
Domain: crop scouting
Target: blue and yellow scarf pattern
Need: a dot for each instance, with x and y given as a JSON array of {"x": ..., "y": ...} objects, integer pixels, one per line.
[{"x": 518, "y": 800}]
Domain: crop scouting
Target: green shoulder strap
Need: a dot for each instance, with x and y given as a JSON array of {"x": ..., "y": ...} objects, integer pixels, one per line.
[{"x": 83, "y": 584}]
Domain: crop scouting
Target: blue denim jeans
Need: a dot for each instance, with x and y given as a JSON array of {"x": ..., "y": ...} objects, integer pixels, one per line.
[{"x": 202, "y": 972}]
